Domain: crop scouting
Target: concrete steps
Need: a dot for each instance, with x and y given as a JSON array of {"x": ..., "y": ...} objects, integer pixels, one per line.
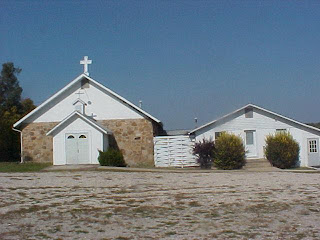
[{"x": 260, "y": 164}]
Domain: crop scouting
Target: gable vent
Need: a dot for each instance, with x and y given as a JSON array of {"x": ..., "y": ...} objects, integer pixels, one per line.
[
  {"x": 249, "y": 112},
  {"x": 85, "y": 83}
]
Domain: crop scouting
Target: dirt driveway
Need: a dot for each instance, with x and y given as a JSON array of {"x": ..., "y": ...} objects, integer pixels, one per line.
[{"x": 111, "y": 205}]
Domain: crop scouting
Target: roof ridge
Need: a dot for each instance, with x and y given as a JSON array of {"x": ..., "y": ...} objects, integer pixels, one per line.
[
  {"x": 81, "y": 76},
  {"x": 257, "y": 107}
]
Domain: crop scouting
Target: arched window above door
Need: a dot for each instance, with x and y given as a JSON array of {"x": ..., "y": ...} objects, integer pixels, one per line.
[
  {"x": 70, "y": 137},
  {"x": 82, "y": 136}
]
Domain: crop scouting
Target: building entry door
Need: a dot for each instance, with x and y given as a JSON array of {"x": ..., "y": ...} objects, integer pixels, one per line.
[
  {"x": 77, "y": 148},
  {"x": 313, "y": 152},
  {"x": 250, "y": 142}
]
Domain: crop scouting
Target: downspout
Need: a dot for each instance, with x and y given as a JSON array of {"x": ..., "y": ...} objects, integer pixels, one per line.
[{"x": 17, "y": 130}]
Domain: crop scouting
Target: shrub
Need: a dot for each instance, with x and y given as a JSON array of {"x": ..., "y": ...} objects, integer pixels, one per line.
[
  {"x": 204, "y": 151},
  {"x": 111, "y": 157},
  {"x": 230, "y": 152},
  {"x": 282, "y": 150}
]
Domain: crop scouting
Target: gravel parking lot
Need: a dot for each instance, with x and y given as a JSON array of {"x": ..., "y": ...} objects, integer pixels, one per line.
[{"x": 148, "y": 205}]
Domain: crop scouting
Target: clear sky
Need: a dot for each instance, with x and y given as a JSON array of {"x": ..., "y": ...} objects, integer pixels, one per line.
[{"x": 183, "y": 59}]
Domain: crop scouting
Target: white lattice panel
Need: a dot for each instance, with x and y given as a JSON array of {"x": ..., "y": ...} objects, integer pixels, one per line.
[{"x": 174, "y": 151}]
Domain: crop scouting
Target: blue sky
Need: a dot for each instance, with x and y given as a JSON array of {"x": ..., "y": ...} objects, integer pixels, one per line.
[{"x": 183, "y": 59}]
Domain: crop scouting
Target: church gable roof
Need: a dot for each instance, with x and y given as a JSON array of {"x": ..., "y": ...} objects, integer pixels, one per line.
[
  {"x": 105, "y": 89},
  {"x": 84, "y": 118}
]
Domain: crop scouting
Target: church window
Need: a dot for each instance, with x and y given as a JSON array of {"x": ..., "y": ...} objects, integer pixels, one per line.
[
  {"x": 82, "y": 136},
  {"x": 79, "y": 108},
  {"x": 70, "y": 137}
]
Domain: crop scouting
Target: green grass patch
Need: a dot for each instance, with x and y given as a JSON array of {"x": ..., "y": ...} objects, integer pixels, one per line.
[{"x": 22, "y": 167}]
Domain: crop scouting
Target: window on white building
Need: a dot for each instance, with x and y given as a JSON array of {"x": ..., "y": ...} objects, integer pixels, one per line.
[
  {"x": 249, "y": 137},
  {"x": 217, "y": 134},
  {"x": 282, "y": 130}
]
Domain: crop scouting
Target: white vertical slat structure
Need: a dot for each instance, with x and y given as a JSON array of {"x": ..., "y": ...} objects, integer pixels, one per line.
[{"x": 174, "y": 151}]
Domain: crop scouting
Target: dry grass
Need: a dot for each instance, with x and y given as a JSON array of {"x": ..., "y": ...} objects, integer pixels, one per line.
[{"x": 69, "y": 205}]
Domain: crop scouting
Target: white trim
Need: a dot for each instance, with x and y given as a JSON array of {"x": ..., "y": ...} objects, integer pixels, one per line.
[
  {"x": 88, "y": 120},
  {"x": 21, "y": 145},
  {"x": 260, "y": 108},
  {"x": 47, "y": 101},
  {"x": 95, "y": 82},
  {"x": 80, "y": 101}
]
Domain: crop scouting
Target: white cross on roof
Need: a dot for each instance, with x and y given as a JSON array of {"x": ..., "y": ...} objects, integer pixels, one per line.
[{"x": 85, "y": 63}]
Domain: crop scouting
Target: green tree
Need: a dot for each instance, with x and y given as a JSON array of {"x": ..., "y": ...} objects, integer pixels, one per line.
[
  {"x": 12, "y": 108},
  {"x": 27, "y": 106},
  {"x": 10, "y": 91},
  {"x": 316, "y": 124}
]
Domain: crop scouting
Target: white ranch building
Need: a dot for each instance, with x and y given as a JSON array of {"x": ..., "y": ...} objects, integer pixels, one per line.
[{"x": 253, "y": 123}]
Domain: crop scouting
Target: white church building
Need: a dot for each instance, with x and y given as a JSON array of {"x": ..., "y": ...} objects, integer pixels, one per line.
[{"x": 82, "y": 118}]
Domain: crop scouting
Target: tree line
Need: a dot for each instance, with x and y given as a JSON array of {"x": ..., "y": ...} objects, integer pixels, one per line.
[
  {"x": 12, "y": 108},
  {"x": 317, "y": 124}
]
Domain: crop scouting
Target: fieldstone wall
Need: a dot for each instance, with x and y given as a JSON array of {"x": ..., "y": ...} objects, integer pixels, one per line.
[
  {"x": 36, "y": 146},
  {"x": 134, "y": 137}
]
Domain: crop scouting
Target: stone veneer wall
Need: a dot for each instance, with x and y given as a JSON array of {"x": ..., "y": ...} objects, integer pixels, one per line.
[
  {"x": 134, "y": 138},
  {"x": 36, "y": 146}
]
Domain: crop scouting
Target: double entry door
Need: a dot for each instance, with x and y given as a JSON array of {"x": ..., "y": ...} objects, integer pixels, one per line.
[{"x": 77, "y": 148}]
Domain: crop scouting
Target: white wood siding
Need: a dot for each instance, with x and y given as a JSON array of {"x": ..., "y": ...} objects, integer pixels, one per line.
[
  {"x": 264, "y": 124},
  {"x": 99, "y": 103},
  {"x": 174, "y": 151}
]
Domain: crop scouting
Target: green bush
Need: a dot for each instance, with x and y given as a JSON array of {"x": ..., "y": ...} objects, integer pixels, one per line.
[
  {"x": 282, "y": 150},
  {"x": 230, "y": 152},
  {"x": 111, "y": 157}
]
